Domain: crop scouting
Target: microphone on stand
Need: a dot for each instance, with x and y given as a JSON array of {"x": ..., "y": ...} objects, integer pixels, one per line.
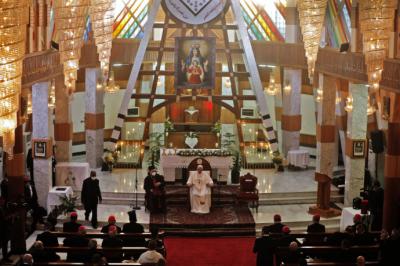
[{"x": 136, "y": 207}]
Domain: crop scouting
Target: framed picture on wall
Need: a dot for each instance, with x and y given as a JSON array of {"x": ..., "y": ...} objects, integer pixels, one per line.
[
  {"x": 358, "y": 148},
  {"x": 40, "y": 149},
  {"x": 194, "y": 62}
]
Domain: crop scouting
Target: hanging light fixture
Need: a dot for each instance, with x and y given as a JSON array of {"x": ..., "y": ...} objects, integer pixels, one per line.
[
  {"x": 102, "y": 18},
  {"x": 349, "y": 104},
  {"x": 14, "y": 17},
  {"x": 370, "y": 107},
  {"x": 318, "y": 95},
  {"x": 70, "y": 22},
  {"x": 376, "y": 21},
  {"x": 52, "y": 95},
  {"x": 111, "y": 86},
  {"x": 312, "y": 17},
  {"x": 272, "y": 87}
]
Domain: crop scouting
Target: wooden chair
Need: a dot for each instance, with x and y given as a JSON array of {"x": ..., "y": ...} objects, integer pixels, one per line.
[{"x": 248, "y": 191}]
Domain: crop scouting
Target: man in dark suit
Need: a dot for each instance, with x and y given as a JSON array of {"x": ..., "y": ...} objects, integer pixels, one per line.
[
  {"x": 155, "y": 193},
  {"x": 72, "y": 226},
  {"x": 47, "y": 238},
  {"x": 133, "y": 227},
  {"x": 111, "y": 222},
  {"x": 78, "y": 240},
  {"x": 113, "y": 241},
  {"x": 91, "y": 196},
  {"x": 276, "y": 227},
  {"x": 264, "y": 247},
  {"x": 316, "y": 227}
]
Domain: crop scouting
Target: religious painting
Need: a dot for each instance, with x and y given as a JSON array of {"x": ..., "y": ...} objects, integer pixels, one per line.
[
  {"x": 358, "y": 148},
  {"x": 194, "y": 62},
  {"x": 39, "y": 149}
]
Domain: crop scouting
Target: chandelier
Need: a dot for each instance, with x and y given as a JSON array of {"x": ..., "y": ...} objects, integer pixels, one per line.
[
  {"x": 101, "y": 16},
  {"x": 111, "y": 86},
  {"x": 312, "y": 17},
  {"x": 70, "y": 21},
  {"x": 14, "y": 17},
  {"x": 318, "y": 95},
  {"x": 52, "y": 95},
  {"x": 376, "y": 20},
  {"x": 272, "y": 88},
  {"x": 349, "y": 104}
]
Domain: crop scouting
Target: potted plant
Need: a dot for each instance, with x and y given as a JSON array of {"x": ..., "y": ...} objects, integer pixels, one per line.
[
  {"x": 168, "y": 126},
  {"x": 155, "y": 144},
  {"x": 277, "y": 161},
  {"x": 217, "y": 128},
  {"x": 229, "y": 143},
  {"x": 68, "y": 204}
]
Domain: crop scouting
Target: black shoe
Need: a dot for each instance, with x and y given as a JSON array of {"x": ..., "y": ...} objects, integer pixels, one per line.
[
  {"x": 87, "y": 218},
  {"x": 95, "y": 226}
]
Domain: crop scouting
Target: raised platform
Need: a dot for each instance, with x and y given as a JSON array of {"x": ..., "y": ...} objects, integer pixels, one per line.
[{"x": 222, "y": 220}]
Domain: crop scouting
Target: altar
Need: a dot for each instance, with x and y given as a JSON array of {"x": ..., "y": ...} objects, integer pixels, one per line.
[{"x": 172, "y": 160}]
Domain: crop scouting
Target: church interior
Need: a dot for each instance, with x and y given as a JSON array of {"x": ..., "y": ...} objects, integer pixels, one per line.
[{"x": 199, "y": 132}]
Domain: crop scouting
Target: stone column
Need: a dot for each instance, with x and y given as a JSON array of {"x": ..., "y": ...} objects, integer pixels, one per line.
[
  {"x": 40, "y": 136},
  {"x": 291, "y": 117},
  {"x": 341, "y": 117},
  {"x": 94, "y": 118},
  {"x": 291, "y": 99},
  {"x": 391, "y": 209},
  {"x": 63, "y": 122},
  {"x": 356, "y": 135},
  {"x": 326, "y": 130}
]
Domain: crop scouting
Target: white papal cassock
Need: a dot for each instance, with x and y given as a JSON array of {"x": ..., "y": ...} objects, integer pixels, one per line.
[{"x": 200, "y": 193}]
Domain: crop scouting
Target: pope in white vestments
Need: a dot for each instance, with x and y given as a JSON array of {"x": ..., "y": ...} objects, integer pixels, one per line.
[{"x": 200, "y": 184}]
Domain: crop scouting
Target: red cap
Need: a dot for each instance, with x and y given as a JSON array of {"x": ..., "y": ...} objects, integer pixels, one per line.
[
  {"x": 111, "y": 218},
  {"x": 316, "y": 217},
  {"x": 286, "y": 229},
  {"x": 81, "y": 228},
  {"x": 112, "y": 228},
  {"x": 277, "y": 218},
  {"x": 357, "y": 217},
  {"x": 73, "y": 214}
]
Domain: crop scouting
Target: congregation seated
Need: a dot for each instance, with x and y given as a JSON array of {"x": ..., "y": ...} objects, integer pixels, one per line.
[
  {"x": 47, "y": 238},
  {"x": 276, "y": 227},
  {"x": 111, "y": 222},
  {"x": 72, "y": 225},
  {"x": 154, "y": 230},
  {"x": 316, "y": 227},
  {"x": 133, "y": 227},
  {"x": 76, "y": 240},
  {"x": 294, "y": 256},
  {"x": 92, "y": 252},
  {"x": 389, "y": 246},
  {"x": 151, "y": 255},
  {"x": 39, "y": 254},
  {"x": 361, "y": 237},
  {"x": 27, "y": 260},
  {"x": 113, "y": 241}
]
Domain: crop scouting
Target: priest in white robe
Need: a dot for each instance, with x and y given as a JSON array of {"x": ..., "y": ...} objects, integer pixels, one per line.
[{"x": 200, "y": 184}]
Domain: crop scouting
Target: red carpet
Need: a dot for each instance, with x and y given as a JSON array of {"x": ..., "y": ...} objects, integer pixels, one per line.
[{"x": 213, "y": 251}]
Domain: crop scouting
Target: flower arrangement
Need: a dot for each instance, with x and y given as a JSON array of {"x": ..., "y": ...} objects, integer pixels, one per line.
[
  {"x": 68, "y": 204},
  {"x": 191, "y": 135},
  {"x": 217, "y": 128},
  {"x": 168, "y": 125},
  {"x": 202, "y": 153}
]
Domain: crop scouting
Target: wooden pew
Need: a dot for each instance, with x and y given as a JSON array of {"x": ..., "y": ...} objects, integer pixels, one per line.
[
  {"x": 66, "y": 263},
  {"x": 103, "y": 235}
]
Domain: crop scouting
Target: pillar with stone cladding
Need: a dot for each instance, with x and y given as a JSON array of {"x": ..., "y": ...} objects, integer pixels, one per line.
[
  {"x": 63, "y": 128},
  {"x": 356, "y": 144},
  {"x": 291, "y": 99},
  {"x": 94, "y": 118},
  {"x": 291, "y": 116},
  {"x": 391, "y": 208},
  {"x": 326, "y": 130},
  {"x": 41, "y": 141}
]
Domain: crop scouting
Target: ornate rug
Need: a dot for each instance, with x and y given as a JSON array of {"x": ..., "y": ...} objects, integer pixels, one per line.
[{"x": 222, "y": 218}]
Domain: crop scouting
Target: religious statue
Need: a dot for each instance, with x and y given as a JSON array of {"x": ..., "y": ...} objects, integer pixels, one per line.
[{"x": 200, "y": 184}]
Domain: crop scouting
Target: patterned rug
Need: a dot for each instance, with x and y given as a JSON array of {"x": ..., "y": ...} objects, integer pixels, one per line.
[{"x": 221, "y": 219}]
